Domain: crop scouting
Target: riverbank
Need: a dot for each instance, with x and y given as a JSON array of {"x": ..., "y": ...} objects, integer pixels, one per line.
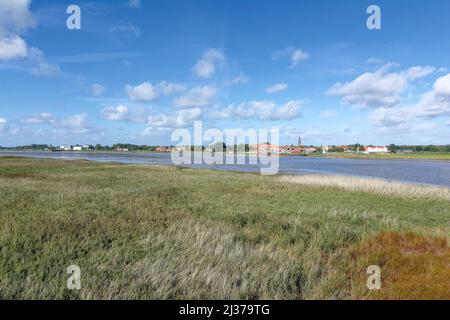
[
  {"x": 161, "y": 232},
  {"x": 442, "y": 156},
  {"x": 404, "y": 170}
]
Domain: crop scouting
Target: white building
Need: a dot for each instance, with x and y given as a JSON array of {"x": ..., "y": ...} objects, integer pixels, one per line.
[
  {"x": 376, "y": 149},
  {"x": 65, "y": 148},
  {"x": 77, "y": 148}
]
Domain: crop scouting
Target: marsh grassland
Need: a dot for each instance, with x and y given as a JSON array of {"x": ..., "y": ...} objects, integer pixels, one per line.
[{"x": 155, "y": 232}]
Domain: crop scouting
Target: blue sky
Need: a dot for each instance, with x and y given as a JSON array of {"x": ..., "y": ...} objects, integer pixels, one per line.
[{"x": 137, "y": 70}]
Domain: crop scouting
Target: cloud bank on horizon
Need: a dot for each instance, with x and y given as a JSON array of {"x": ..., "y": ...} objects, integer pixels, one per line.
[{"x": 137, "y": 70}]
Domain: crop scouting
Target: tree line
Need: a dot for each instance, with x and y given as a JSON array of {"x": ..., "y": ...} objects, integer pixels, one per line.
[
  {"x": 419, "y": 148},
  {"x": 220, "y": 146}
]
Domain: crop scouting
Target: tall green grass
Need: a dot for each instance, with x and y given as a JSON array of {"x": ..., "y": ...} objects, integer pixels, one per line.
[{"x": 155, "y": 232}]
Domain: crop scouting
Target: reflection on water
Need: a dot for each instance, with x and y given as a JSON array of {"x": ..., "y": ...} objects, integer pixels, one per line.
[{"x": 415, "y": 171}]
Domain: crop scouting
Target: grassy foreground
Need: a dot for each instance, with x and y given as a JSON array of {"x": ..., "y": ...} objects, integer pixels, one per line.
[{"x": 154, "y": 232}]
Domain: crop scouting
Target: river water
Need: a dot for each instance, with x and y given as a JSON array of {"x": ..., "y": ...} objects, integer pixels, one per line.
[{"x": 412, "y": 171}]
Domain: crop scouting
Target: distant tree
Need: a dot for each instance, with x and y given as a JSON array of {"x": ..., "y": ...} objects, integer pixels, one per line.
[
  {"x": 392, "y": 148},
  {"x": 431, "y": 148},
  {"x": 219, "y": 147}
]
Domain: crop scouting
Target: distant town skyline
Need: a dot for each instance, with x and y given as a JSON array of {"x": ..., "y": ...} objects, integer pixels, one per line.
[{"x": 137, "y": 70}]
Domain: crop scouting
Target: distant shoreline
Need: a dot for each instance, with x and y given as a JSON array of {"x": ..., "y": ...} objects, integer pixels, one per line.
[
  {"x": 432, "y": 156},
  {"x": 417, "y": 171}
]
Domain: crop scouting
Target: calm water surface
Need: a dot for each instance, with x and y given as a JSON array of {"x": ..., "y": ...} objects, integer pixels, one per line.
[{"x": 413, "y": 171}]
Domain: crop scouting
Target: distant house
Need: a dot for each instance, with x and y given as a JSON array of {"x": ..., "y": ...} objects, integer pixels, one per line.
[
  {"x": 267, "y": 148},
  {"x": 326, "y": 149},
  {"x": 77, "y": 148},
  {"x": 309, "y": 150},
  {"x": 286, "y": 149},
  {"x": 376, "y": 149},
  {"x": 164, "y": 149},
  {"x": 182, "y": 148},
  {"x": 65, "y": 148}
]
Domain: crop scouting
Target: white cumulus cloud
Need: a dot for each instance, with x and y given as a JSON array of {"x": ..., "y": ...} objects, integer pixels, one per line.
[
  {"x": 15, "y": 19},
  {"x": 390, "y": 117},
  {"x": 436, "y": 102},
  {"x": 442, "y": 86},
  {"x": 378, "y": 89},
  {"x": 44, "y": 68},
  {"x": 432, "y": 104},
  {"x": 39, "y": 118},
  {"x": 12, "y": 48},
  {"x": 296, "y": 55},
  {"x": 143, "y": 92},
  {"x": 206, "y": 66},
  {"x": 171, "y": 88},
  {"x": 3, "y": 125},
  {"x": 199, "y": 97},
  {"x": 119, "y": 113},
  {"x": 75, "y": 124},
  {"x": 260, "y": 110},
  {"x": 279, "y": 87},
  {"x": 181, "y": 118}
]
